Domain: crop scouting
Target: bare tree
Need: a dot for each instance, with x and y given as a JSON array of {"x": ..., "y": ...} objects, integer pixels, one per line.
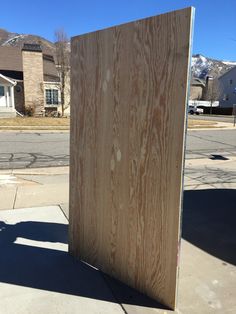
[
  {"x": 213, "y": 91},
  {"x": 62, "y": 62}
]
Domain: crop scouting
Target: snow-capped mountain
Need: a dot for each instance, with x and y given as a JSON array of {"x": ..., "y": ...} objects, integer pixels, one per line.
[
  {"x": 18, "y": 40},
  {"x": 203, "y": 66}
]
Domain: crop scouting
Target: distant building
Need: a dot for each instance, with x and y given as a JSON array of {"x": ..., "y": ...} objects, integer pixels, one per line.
[
  {"x": 205, "y": 95},
  {"x": 196, "y": 89},
  {"x": 29, "y": 81},
  {"x": 228, "y": 89}
]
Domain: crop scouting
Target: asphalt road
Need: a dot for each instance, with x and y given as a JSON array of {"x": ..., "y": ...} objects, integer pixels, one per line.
[
  {"x": 32, "y": 150},
  {"x": 201, "y": 144}
]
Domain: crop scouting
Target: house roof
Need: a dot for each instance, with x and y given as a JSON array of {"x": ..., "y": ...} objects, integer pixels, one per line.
[
  {"x": 197, "y": 82},
  {"x": 11, "y": 60},
  {"x": 4, "y": 79},
  {"x": 229, "y": 71},
  {"x": 49, "y": 69}
]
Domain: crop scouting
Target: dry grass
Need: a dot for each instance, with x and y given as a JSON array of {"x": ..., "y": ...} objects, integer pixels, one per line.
[
  {"x": 35, "y": 122},
  {"x": 199, "y": 124},
  {"x": 64, "y": 123}
]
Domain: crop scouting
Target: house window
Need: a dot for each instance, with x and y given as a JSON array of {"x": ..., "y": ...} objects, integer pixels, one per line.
[
  {"x": 2, "y": 91},
  {"x": 230, "y": 82},
  {"x": 51, "y": 96}
]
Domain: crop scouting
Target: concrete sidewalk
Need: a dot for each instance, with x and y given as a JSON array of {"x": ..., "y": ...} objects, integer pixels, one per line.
[
  {"x": 206, "y": 173},
  {"x": 34, "y": 187}
]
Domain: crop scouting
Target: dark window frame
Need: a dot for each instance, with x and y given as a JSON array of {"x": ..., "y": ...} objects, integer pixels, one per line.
[{"x": 52, "y": 96}]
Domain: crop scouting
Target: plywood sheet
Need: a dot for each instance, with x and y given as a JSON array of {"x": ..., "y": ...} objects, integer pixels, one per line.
[{"x": 128, "y": 105}]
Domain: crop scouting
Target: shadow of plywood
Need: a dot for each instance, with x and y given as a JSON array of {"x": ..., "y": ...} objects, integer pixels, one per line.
[
  {"x": 209, "y": 221},
  {"x": 42, "y": 268}
]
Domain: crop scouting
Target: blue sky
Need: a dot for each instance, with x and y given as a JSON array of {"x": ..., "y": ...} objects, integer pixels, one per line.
[{"x": 215, "y": 20}]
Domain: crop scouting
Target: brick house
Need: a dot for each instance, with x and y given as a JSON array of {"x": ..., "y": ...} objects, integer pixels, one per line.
[{"x": 29, "y": 81}]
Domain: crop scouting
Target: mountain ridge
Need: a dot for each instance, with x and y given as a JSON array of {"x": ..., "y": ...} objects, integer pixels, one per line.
[
  {"x": 201, "y": 66},
  {"x": 204, "y": 66},
  {"x": 18, "y": 40}
]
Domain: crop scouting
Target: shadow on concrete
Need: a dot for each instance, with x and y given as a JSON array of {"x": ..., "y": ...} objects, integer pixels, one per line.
[
  {"x": 209, "y": 218},
  {"x": 218, "y": 157},
  {"x": 33, "y": 230},
  {"x": 55, "y": 270},
  {"x": 127, "y": 295}
]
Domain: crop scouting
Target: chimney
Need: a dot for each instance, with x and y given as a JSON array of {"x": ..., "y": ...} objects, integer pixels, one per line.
[
  {"x": 208, "y": 86},
  {"x": 32, "y": 59}
]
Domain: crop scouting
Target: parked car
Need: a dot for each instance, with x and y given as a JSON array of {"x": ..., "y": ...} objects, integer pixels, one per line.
[{"x": 194, "y": 110}]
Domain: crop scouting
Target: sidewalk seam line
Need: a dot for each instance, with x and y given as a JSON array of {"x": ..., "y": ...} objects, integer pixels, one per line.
[
  {"x": 67, "y": 218},
  {"x": 107, "y": 284},
  {"x": 112, "y": 292},
  {"x": 14, "y": 203}
]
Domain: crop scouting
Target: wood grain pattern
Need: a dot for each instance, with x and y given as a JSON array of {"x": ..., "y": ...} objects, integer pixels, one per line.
[{"x": 128, "y": 105}]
